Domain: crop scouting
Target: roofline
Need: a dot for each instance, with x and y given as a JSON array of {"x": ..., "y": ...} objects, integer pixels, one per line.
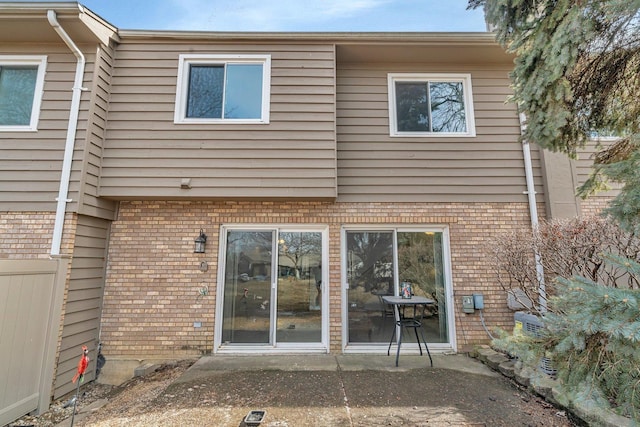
[
  {"x": 451, "y": 38},
  {"x": 86, "y": 11},
  {"x": 447, "y": 38},
  {"x": 61, "y": 7},
  {"x": 38, "y": 6}
]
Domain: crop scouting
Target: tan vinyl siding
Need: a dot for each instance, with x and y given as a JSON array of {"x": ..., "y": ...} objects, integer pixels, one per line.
[
  {"x": 31, "y": 162},
  {"x": 584, "y": 165},
  {"x": 372, "y": 166},
  {"x": 584, "y": 162},
  {"x": 147, "y": 155},
  {"x": 596, "y": 203},
  {"x": 90, "y": 203},
  {"x": 84, "y": 301}
]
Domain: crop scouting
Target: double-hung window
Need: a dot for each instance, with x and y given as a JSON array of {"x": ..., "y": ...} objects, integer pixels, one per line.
[
  {"x": 223, "y": 89},
  {"x": 21, "y": 83},
  {"x": 430, "y": 105}
]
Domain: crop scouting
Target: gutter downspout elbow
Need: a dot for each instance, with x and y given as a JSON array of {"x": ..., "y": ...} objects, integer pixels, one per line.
[
  {"x": 71, "y": 134},
  {"x": 533, "y": 213}
]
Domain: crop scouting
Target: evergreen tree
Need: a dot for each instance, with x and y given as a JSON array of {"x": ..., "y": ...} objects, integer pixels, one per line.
[
  {"x": 596, "y": 335},
  {"x": 576, "y": 75}
]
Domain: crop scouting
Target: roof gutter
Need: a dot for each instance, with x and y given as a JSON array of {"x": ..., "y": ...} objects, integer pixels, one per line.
[
  {"x": 452, "y": 38},
  {"x": 71, "y": 134},
  {"x": 533, "y": 213}
]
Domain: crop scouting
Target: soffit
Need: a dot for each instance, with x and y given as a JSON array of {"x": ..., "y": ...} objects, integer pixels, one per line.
[
  {"x": 28, "y": 23},
  {"x": 422, "y": 53}
]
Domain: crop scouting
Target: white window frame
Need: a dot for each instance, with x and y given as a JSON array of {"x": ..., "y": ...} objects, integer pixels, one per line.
[
  {"x": 465, "y": 79},
  {"x": 594, "y": 136},
  {"x": 182, "y": 88},
  {"x": 41, "y": 62}
]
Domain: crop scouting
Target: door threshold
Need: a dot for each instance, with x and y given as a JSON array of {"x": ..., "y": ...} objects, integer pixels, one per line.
[{"x": 257, "y": 350}]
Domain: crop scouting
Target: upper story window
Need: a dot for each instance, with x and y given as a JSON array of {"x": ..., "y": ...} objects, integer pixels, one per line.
[
  {"x": 21, "y": 83},
  {"x": 604, "y": 135},
  {"x": 430, "y": 105},
  {"x": 223, "y": 89}
]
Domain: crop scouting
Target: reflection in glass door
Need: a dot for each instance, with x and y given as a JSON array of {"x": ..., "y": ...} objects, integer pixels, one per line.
[
  {"x": 376, "y": 262},
  {"x": 299, "y": 287},
  {"x": 370, "y": 275},
  {"x": 247, "y": 287},
  {"x": 272, "y": 289},
  {"x": 420, "y": 262}
]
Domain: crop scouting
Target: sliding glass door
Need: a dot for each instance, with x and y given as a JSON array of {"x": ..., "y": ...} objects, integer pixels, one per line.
[
  {"x": 377, "y": 261},
  {"x": 272, "y": 290}
]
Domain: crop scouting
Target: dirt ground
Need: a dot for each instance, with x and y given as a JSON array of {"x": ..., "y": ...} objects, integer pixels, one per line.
[{"x": 417, "y": 397}]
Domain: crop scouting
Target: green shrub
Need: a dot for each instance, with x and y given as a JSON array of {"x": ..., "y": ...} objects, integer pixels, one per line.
[{"x": 592, "y": 335}]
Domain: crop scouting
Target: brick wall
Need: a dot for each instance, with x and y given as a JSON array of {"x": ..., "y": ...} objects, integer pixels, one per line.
[
  {"x": 152, "y": 294},
  {"x": 28, "y": 234},
  {"x": 593, "y": 205},
  {"x": 25, "y": 234}
]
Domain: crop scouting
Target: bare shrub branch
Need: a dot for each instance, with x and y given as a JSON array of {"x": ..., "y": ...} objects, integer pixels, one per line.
[{"x": 567, "y": 247}]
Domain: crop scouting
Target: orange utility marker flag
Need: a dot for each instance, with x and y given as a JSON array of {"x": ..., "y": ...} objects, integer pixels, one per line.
[{"x": 82, "y": 365}]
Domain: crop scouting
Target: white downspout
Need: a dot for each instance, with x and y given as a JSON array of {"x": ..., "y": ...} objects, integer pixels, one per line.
[
  {"x": 533, "y": 213},
  {"x": 62, "y": 200}
]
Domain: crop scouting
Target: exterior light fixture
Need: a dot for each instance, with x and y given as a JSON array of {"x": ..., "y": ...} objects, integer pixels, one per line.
[{"x": 200, "y": 243}]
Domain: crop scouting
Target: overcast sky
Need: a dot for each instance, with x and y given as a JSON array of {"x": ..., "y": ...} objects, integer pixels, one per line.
[{"x": 290, "y": 15}]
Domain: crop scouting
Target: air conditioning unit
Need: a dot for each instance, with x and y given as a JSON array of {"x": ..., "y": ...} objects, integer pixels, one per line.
[
  {"x": 531, "y": 324},
  {"x": 546, "y": 366}
]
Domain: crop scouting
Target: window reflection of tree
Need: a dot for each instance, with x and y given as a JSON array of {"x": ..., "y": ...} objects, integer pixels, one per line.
[
  {"x": 369, "y": 251},
  {"x": 447, "y": 107},
  {"x": 300, "y": 248},
  {"x": 416, "y": 262},
  {"x": 206, "y": 86},
  {"x": 430, "y": 107}
]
